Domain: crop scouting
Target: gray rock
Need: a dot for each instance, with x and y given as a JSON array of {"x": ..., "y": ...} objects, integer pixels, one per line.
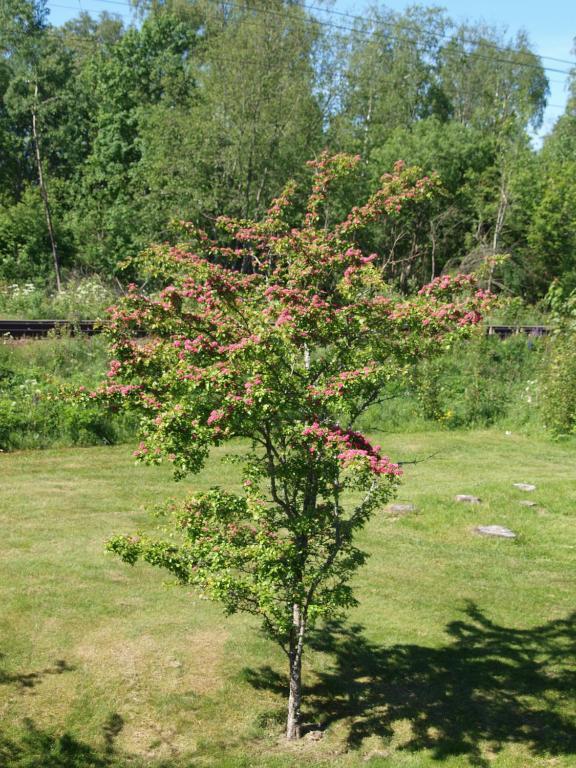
[
  {"x": 525, "y": 486},
  {"x": 467, "y": 498},
  {"x": 314, "y": 735},
  {"x": 496, "y": 530},
  {"x": 527, "y": 503},
  {"x": 401, "y": 509}
]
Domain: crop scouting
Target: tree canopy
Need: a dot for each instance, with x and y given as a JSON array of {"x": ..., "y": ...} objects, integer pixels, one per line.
[{"x": 199, "y": 110}]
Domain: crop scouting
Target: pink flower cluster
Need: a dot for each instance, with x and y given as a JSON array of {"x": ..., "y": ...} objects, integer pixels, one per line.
[
  {"x": 249, "y": 385},
  {"x": 386, "y": 201},
  {"x": 335, "y": 386},
  {"x": 215, "y": 416},
  {"x": 356, "y": 261},
  {"x": 454, "y": 312},
  {"x": 284, "y": 318},
  {"x": 445, "y": 282},
  {"x": 195, "y": 345},
  {"x": 294, "y": 303},
  {"x": 225, "y": 349},
  {"x": 151, "y": 402},
  {"x": 379, "y": 465},
  {"x": 470, "y": 318},
  {"x": 351, "y": 446},
  {"x": 114, "y": 368},
  {"x": 202, "y": 343},
  {"x": 143, "y": 450},
  {"x": 114, "y": 389}
]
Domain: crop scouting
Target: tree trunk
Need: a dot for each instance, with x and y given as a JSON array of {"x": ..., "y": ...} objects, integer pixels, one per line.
[
  {"x": 44, "y": 193},
  {"x": 294, "y": 724},
  {"x": 499, "y": 225}
]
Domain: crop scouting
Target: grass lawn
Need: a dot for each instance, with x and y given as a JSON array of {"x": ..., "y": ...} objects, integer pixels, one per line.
[{"x": 461, "y": 653}]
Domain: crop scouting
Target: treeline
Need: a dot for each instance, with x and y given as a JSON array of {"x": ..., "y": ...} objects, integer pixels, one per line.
[{"x": 109, "y": 134}]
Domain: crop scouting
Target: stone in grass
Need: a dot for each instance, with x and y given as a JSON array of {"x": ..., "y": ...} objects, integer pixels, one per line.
[
  {"x": 313, "y": 731},
  {"x": 525, "y": 486},
  {"x": 314, "y": 735},
  {"x": 401, "y": 509},
  {"x": 496, "y": 530},
  {"x": 467, "y": 498},
  {"x": 527, "y": 503}
]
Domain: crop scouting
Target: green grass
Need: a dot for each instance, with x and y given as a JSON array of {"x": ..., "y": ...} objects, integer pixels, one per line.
[{"x": 461, "y": 652}]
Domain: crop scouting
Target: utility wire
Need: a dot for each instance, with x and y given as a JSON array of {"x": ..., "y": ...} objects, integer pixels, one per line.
[
  {"x": 468, "y": 54},
  {"x": 464, "y": 40},
  {"x": 357, "y": 18}
]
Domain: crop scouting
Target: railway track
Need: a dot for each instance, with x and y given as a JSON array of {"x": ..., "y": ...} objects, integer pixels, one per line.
[
  {"x": 505, "y": 331},
  {"x": 18, "y": 329}
]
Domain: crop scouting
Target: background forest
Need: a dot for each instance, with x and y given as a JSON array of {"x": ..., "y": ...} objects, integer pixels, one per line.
[
  {"x": 207, "y": 108},
  {"x": 111, "y": 136}
]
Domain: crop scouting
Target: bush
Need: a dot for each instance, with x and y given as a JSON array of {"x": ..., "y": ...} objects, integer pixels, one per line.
[
  {"x": 558, "y": 388},
  {"x": 558, "y": 378},
  {"x": 33, "y": 413},
  {"x": 477, "y": 383}
]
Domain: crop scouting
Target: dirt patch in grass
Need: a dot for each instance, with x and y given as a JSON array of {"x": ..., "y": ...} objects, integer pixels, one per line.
[
  {"x": 133, "y": 659},
  {"x": 147, "y": 675}
]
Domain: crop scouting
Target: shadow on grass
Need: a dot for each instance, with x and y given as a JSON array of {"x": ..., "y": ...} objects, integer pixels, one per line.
[
  {"x": 33, "y": 747},
  {"x": 489, "y": 686},
  {"x": 31, "y": 679}
]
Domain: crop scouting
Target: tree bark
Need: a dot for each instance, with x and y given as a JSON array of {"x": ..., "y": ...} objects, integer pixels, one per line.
[
  {"x": 44, "y": 192},
  {"x": 294, "y": 720}
]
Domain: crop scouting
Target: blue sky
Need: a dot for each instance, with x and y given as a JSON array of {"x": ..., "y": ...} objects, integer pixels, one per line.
[{"x": 551, "y": 28}]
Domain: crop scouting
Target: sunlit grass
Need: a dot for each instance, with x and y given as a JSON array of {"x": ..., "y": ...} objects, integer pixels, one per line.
[{"x": 459, "y": 653}]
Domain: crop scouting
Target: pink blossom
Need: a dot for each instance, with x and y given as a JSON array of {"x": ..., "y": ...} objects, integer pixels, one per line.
[
  {"x": 215, "y": 415},
  {"x": 115, "y": 366},
  {"x": 284, "y": 317}
]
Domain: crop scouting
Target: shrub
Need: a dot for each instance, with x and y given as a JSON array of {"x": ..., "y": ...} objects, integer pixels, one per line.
[
  {"x": 558, "y": 388},
  {"x": 479, "y": 382},
  {"x": 288, "y": 356},
  {"x": 32, "y": 412}
]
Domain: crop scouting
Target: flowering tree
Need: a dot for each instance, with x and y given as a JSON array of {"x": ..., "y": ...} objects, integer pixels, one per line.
[{"x": 288, "y": 357}]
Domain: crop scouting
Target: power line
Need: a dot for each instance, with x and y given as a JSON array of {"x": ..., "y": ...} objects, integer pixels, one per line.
[
  {"x": 468, "y": 54},
  {"x": 381, "y": 23},
  {"x": 464, "y": 40}
]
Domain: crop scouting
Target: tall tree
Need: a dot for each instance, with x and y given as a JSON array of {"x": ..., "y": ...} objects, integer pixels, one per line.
[
  {"x": 38, "y": 72},
  {"x": 551, "y": 231},
  {"x": 146, "y": 67},
  {"x": 254, "y": 119},
  {"x": 390, "y": 77},
  {"x": 287, "y": 357}
]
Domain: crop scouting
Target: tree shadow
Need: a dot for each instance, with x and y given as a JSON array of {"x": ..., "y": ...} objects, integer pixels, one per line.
[
  {"x": 111, "y": 730},
  {"x": 488, "y": 687},
  {"x": 34, "y": 747},
  {"x": 31, "y": 746},
  {"x": 29, "y": 680}
]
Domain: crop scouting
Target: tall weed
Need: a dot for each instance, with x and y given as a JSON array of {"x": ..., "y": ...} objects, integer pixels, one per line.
[
  {"x": 32, "y": 412},
  {"x": 80, "y": 299}
]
